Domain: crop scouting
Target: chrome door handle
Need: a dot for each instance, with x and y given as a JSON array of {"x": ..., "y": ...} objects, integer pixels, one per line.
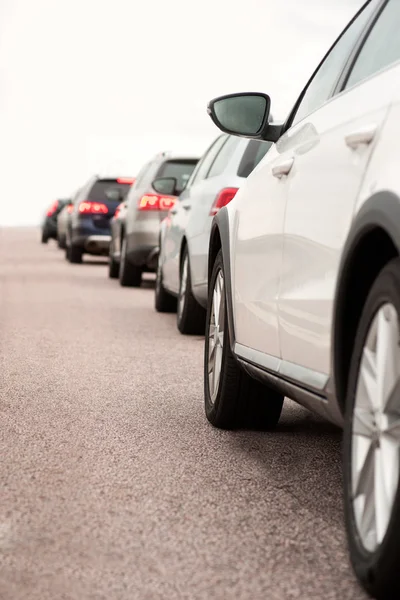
[
  {"x": 364, "y": 135},
  {"x": 283, "y": 168}
]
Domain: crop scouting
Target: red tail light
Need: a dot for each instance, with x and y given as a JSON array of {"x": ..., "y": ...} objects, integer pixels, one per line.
[
  {"x": 156, "y": 202},
  {"x": 118, "y": 210},
  {"x": 92, "y": 208},
  {"x": 70, "y": 209},
  {"x": 52, "y": 209},
  {"x": 223, "y": 198},
  {"x": 129, "y": 180}
]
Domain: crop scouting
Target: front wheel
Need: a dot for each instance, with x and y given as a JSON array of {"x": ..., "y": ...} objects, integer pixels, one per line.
[
  {"x": 232, "y": 398},
  {"x": 371, "y": 448}
]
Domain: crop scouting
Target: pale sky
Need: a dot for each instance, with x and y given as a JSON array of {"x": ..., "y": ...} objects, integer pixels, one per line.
[{"x": 99, "y": 86}]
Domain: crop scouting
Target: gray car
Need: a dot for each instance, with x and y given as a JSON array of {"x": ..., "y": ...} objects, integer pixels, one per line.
[
  {"x": 184, "y": 235},
  {"x": 146, "y": 208}
]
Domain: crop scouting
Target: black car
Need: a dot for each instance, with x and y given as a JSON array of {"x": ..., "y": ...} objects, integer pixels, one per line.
[
  {"x": 88, "y": 229},
  {"x": 49, "y": 226}
]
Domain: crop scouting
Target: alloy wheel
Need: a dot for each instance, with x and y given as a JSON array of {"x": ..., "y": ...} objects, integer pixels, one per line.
[
  {"x": 376, "y": 429},
  {"x": 182, "y": 289},
  {"x": 216, "y": 336}
]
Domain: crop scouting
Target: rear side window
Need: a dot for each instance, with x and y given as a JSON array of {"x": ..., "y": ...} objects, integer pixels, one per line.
[
  {"x": 208, "y": 158},
  {"x": 224, "y": 156},
  {"x": 180, "y": 169},
  {"x": 98, "y": 190},
  {"x": 254, "y": 152},
  {"x": 382, "y": 46}
]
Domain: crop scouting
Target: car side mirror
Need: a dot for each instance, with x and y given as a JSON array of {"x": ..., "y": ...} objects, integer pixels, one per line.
[
  {"x": 114, "y": 194},
  {"x": 244, "y": 115},
  {"x": 165, "y": 185}
]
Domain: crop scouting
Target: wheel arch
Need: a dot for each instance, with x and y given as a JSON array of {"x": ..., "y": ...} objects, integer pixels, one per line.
[
  {"x": 220, "y": 240},
  {"x": 377, "y": 226}
]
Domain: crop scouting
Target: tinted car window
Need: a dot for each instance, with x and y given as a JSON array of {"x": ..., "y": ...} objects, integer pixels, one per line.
[
  {"x": 224, "y": 156},
  {"x": 326, "y": 77},
  {"x": 207, "y": 159},
  {"x": 254, "y": 152},
  {"x": 98, "y": 190},
  {"x": 179, "y": 169},
  {"x": 382, "y": 46}
]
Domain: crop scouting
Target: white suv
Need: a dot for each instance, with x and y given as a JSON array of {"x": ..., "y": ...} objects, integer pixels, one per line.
[{"x": 304, "y": 276}]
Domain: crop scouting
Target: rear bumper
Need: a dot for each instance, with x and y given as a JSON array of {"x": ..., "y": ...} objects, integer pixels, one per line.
[
  {"x": 90, "y": 239},
  {"x": 145, "y": 256}
]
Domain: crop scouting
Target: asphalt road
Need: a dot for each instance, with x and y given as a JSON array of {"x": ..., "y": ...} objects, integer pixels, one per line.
[{"x": 114, "y": 486}]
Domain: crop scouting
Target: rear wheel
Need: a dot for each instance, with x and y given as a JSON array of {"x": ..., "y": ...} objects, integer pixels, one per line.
[
  {"x": 232, "y": 398},
  {"x": 371, "y": 448},
  {"x": 129, "y": 275},
  {"x": 191, "y": 317},
  {"x": 163, "y": 301},
  {"x": 75, "y": 254},
  {"x": 113, "y": 266},
  {"x": 45, "y": 238},
  {"x": 61, "y": 242}
]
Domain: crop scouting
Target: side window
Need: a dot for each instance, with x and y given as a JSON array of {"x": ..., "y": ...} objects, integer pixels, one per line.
[
  {"x": 205, "y": 163},
  {"x": 224, "y": 155},
  {"x": 382, "y": 46},
  {"x": 254, "y": 152},
  {"x": 324, "y": 80}
]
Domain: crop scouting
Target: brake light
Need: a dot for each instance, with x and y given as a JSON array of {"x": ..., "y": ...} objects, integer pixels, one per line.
[
  {"x": 223, "y": 198},
  {"x": 129, "y": 180},
  {"x": 118, "y": 210},
  {"x": 52, "y": 209},
  {"x": 70, "y": 209},
  {"x": 92, "y": 208},
  {"x": 156, "y": 202}
]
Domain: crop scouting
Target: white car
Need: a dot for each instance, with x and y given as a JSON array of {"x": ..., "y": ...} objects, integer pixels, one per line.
[
  {"x": 304, "y": 276},
  {"x": 181, "y": 282}
]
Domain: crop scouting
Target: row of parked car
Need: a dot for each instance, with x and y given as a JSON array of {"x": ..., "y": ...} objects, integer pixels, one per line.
[{"x": 282, "y": 245}]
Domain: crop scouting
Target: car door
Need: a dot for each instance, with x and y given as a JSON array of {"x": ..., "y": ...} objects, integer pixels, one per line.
[
  {"x": 177, "y": 219},
  {"x": 330, "y": 150},
  {"x": 258, "y": 241}
]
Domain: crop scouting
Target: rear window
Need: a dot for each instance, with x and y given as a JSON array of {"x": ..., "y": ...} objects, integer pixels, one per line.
[
  {"x": 179, "y": 169},
  {"x": 254, "y": 152},
  {"x": 98, "y": 191}
]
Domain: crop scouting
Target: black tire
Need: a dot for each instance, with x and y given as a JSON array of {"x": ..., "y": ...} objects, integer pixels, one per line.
[
  {"x": 163, "y": 301},
  {"x": 129, "y": 275},
  {"x": 378, "y": 571},
  {"x": 113, "y": 268},
  {"x": 61, "y": 243},
  {"x": 190, "y": 316},
  {"x": 75, "y": 254},
  {"x": 240, "y": 401},
  {"x": 44, "y": 238}
]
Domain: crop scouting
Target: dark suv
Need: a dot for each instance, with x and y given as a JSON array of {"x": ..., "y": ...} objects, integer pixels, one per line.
[{"x": 94, "y": 206}]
